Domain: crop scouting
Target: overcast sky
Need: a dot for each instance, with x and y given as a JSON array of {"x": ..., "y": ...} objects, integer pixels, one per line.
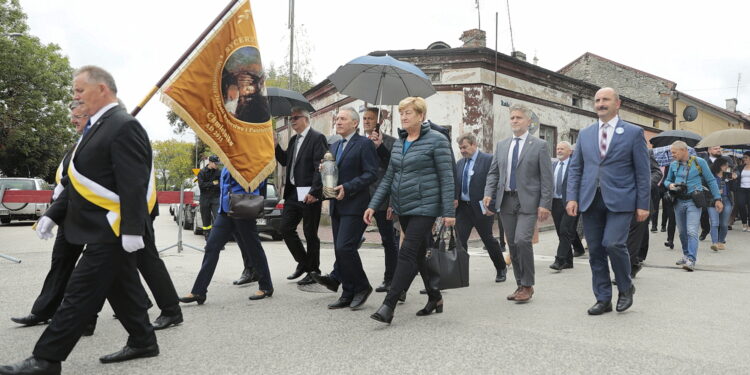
[{"x": 701, "y": 47}]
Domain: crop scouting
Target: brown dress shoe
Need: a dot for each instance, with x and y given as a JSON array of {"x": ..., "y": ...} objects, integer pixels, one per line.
[
  {"x": 524, "y": 295},
  {"x": 512, "y": 297}
]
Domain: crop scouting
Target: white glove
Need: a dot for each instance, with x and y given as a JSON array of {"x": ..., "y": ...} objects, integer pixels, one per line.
[
  {"x": 132, "y": 243},
  {"x": 44, "y": 228}
]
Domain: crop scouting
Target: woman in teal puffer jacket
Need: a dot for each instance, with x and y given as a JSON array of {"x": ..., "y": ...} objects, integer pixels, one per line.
[{"x": 419, "y": 182}]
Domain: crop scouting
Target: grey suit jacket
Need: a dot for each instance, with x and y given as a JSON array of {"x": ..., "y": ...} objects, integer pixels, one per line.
[{"x": 533, "y": 175}]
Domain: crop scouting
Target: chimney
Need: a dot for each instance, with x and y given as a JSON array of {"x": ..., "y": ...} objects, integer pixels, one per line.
[
  {"x": 732, "y": 105},
  {"x": 474, "y": 38},
  {"x": 519, "y": 55}
]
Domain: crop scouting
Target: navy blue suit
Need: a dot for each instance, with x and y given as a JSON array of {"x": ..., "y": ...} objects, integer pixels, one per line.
[
  {"x": 469, "y": 214},
  {"x": 608, "y": 191},
  {"x": 358, "y": 167}
]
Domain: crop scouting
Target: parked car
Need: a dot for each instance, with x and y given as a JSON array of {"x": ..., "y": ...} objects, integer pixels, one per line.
[
  {"x": 22, "y": 211},
  {"x": 268, "y": 224}
]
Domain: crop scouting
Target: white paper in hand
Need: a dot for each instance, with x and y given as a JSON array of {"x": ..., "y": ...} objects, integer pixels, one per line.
[{"x": 302, "y": 191}]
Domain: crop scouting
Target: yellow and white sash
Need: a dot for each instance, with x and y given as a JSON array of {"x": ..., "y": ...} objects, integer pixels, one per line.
[
  {"x": 58, "y": 179},
  {"x": 105, "y": 198}
]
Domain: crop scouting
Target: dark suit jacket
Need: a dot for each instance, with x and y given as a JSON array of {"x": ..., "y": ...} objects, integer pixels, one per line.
[
  {"x": 477, "y": 181},
  {"x": 384, "y": 156},
  {"x": 116, "y": 154},
  {"x": 311, "y": 152},
  {"x": 358, "y": 168}
]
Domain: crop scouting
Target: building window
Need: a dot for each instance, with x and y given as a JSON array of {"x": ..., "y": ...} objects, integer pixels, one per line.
[
  {"x": 573, "y": 136},
  {"x": 434, "y": 75},
  {"x": 549, "y": 135},
  {"x": 577, "y": 101}
]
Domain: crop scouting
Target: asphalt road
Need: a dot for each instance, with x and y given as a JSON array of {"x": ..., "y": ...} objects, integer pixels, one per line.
[{"x": 686, "y": 323}]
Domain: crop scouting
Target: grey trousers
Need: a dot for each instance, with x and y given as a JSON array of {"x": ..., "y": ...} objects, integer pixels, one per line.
[{"x": 519, "y": 230}]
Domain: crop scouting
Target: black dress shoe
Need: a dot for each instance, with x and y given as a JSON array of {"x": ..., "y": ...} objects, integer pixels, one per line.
[
  {"x": 625, "y": 300},
  {"x": 307, "y": 280},
  {"x": 383, "y": 315},
  {"x": 567, "y": 265},
  {"x": 166, "y": 321},
  {"x": 383, "y": 287},
  {"x": 90, "y": 328},
  {"x": 402, "y": 297},
  {"x": 248, "y": 276},
  {"x": 360, "y": 298},
  {"x": 423, "y": 291},
  {"x": 340, "y": 304},
  {"x": 297, "y": 273},
  {"x": 326, "y": 280},
  {"x": 634, "y": 269},
  {"x": 669, "y": 244},
  {"x": 432, "y": 305},
  {"x": 193, "y": 298},
  {"x": 557, "y": 266},
  {"x": 578, "y": 253},
  {"x": 30, "y": 320},
  {"x": 703, "y": 236},
  {"x": 260, "y": 294},
  {"x": 501, "y": 275},
  {"x": 600, "y": 307},
  {"x": 127, "y": 353},
  {"x": 663, "y": 229},
  {"x": 32, "y": 366},
  {"x": 654, "y": 230}
]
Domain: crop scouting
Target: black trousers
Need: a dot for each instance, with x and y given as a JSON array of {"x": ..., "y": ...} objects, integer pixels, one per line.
[
  {"x": 567, "y": 232},
  {"x": 468, "y": 218},
  {"x": 501, "y": 232},
  {"x": 104, "y": 271},
  {"x": 638, "y": 236},
  {"x": 705, "y": 222},
  {"x": 64, "y": 258},
  {"x": 309, "y": 214},
  {"x": 743, "y": 203},
  {"x": 347, "y": 233},
  {"x": 417, "y": 231},
  {"x": 209, "y": 209},
  {"x": 667, "y": 219},
  {"x": 390, "y": 244},
  {"x": 154, "y": 271},
  {"x": 655, "y": 198}
]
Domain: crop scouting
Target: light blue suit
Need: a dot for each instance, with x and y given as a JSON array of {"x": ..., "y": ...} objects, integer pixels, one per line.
[{"x": 608, "y": 191}]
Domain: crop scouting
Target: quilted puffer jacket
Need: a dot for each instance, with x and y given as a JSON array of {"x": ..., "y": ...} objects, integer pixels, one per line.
[{"x": 420, "y": 181}]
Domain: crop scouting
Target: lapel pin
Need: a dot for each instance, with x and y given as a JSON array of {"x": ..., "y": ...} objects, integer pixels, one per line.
[{"x": 619, "y": 131}]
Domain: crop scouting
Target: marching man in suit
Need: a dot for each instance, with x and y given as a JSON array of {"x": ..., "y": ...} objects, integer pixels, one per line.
[
  {"x": 569, "y": 244},
  {"x": 107, "y": 210},
  {"x": 520, "y": 182},
  {"x": 301, "y": 158},
  {"x": 357, "y": 162},
  {"x": 470, "y": 180},
  {"x": 609, "y": 182}
]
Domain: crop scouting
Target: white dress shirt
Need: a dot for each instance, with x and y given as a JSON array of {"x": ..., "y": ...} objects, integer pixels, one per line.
[
  {"x": 562, "y": 165},
  {"x": 510, "y": 156},
  {"x": 297, "y": 145}
]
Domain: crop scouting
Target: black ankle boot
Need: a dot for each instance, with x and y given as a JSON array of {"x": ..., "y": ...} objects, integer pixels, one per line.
[
  {"x": 434, "y": 304},
  {"x": 384, "y": 314}
]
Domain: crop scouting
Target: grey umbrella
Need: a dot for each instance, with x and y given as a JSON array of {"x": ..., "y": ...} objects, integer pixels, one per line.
[
  {"x": 381, "y": 80},
  {"x": 670, "y": 136},
  {"x": 729, "y": 138}
]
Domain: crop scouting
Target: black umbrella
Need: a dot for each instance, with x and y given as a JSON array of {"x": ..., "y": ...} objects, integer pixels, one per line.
[
  {"x": 282, "y": 101},
  {"x": 670, "y": 136}
]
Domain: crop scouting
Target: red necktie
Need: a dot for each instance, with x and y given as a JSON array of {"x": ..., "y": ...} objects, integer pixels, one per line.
[{"x": 603, "y": 141}]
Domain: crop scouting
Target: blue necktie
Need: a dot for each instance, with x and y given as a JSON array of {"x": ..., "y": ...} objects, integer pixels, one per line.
[
  {"x": 340, "y": 151},
  {"x": 465, "y": 181},
  {"x": 558, "y": 184},
  {"x": 86, "y": 128},
  {"x": 514, "y": 161}
]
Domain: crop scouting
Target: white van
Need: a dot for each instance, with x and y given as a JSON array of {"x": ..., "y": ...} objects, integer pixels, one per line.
[{"x": 21, "y": 211}]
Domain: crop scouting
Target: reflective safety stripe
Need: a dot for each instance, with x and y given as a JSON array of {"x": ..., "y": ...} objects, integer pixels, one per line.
[{"x": 105, "y": 198}]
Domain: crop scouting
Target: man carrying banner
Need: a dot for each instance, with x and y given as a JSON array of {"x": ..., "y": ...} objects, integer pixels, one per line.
[{"x": 106, "y": 197}]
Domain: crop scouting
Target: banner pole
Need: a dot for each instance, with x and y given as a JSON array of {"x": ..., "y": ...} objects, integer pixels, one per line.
[{"x": 182, "y": 58}]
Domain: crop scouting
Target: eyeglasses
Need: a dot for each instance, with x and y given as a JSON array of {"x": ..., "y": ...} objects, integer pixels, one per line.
[{"x": 295, "y": 118}]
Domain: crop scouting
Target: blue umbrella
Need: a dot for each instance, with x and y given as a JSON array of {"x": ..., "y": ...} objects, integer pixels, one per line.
[{"x": 381, "y": 79}]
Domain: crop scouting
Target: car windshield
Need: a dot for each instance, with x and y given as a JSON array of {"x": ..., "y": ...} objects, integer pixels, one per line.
[{"x": 16, "y": 184}]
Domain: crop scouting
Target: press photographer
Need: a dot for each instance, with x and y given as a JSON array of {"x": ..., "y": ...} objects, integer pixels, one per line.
[{"x": 691, "y": 182}]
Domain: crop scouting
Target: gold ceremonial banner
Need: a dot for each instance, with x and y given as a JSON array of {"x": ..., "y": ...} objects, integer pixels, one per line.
[{"x": 219, "y": 92}]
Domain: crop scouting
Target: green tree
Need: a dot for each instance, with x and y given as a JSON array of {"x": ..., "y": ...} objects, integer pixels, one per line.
[
  {"x": 35, "y": 87},
  {"x": 173, "y": 163}
]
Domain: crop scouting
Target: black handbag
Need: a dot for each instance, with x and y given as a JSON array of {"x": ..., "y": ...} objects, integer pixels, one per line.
[
  {"x": 448, "y": 259},
  {"x": 702, "y": 198},
  {"x": 245, "y": 206}
]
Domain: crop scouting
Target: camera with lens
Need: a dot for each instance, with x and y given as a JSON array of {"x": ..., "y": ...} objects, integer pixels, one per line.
[
  {"x": 726, "y": 175},
  {"x": 677, "y": 191}
]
